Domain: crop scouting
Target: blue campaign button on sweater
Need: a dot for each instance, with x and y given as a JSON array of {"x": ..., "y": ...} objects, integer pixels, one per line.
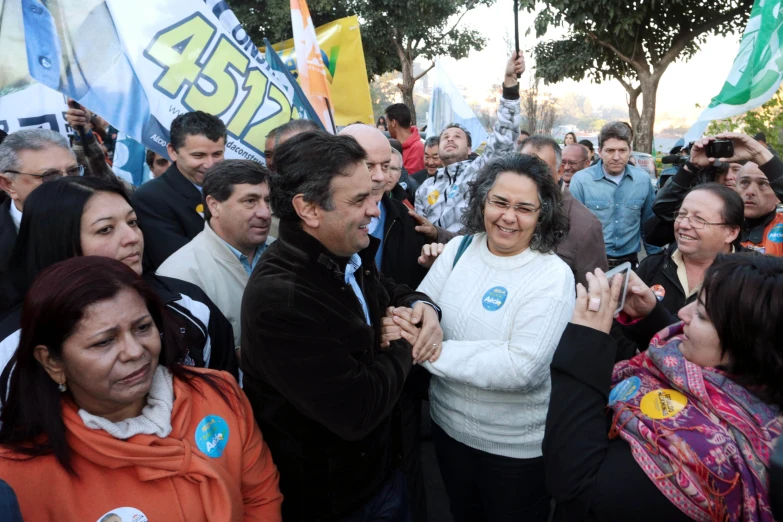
[{"x": 494, "y": 298}]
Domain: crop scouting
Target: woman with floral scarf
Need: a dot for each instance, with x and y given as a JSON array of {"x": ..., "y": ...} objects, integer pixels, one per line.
[{"x": 685, "y": 429}]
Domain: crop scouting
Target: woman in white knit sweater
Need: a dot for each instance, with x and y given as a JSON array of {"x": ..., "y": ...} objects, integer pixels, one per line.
[{"x": 506, "y": 299}]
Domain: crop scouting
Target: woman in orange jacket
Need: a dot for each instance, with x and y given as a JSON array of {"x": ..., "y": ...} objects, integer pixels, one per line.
[{"x": 99, "y": 421}]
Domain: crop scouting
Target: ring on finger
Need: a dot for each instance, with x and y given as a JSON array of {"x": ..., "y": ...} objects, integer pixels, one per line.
[{"x": 594, "y": 304}]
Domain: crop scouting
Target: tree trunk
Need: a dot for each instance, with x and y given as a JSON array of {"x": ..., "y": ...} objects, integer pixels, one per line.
[
  {"x": 408, "y": 82},
  {"x": 645, "y": 128},
  {"x": 633, "y": 110}
]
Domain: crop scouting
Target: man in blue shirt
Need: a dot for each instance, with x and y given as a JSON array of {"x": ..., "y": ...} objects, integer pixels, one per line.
[
  {"x": 221, "y": 258},
  {"x": 619, "y": 194}
]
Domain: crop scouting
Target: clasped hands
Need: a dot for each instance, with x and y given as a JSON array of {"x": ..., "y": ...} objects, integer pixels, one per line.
[{"x": 401, "y": 323}]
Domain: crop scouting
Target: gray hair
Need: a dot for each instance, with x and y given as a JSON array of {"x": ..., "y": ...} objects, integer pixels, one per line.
[
  {"x": 28, "y": 139},
  {"x": 397, "y": 153},
  {"x": 552, "y": 226},
  {"x": 539, "y": 141},
  {"x": 617, "y": 130}
]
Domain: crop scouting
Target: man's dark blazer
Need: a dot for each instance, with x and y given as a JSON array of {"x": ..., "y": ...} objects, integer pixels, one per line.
[
  {"x": 7, "y": 231},
  {"x": 167, "y": 210}
]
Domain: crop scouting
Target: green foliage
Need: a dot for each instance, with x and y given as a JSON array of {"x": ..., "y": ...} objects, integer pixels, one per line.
[
  {"x": 384, "y": 92},
  {"x": 420, "y": 27},
  {"x": 631, "y": 41},
  {"x": 642, "y": 32}
]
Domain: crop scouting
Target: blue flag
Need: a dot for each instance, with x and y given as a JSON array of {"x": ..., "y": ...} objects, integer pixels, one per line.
[{"x": 299, "y": 100}]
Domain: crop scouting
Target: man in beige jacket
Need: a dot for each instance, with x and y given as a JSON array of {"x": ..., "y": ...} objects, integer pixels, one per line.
[{"x": 221, "y": 258}]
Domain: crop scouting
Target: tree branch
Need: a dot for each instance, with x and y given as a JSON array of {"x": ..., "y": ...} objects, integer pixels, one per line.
[
  {"x": 425, "y": 71},
  {"x": 684, "y": 39},
  {"x": 616, "y": 51},
  {"x": 456, "y": 23}
]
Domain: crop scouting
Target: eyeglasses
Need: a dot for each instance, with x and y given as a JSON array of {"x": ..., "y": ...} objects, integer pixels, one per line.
[
  {"x": 696, "y": 222},
  {"x": 51, "y": 175},
  {"x": 522, "y": 209}
]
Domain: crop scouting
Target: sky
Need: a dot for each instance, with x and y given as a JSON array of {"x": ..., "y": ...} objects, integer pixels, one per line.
[{"x": 682, "y": 86}]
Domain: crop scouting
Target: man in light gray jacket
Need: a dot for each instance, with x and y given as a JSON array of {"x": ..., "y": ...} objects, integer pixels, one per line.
[{"x": 221, "y": 258}]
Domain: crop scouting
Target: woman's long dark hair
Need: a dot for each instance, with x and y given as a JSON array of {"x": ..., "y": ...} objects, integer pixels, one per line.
[
  {"x": 743, "y": 296},
  {"x": 51, "y": 227},
  {"x": 31, "y": 419}
]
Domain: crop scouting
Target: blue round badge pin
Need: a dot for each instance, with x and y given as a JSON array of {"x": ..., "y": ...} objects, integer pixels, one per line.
[
  {"x": 776, "y": 234},
  {"x": 625, "y": 390},
  {"x": 212, "y": 436},
  {"x": 494, "y": 298}
]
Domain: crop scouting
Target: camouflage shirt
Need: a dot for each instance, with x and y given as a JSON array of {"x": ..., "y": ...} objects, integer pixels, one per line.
[{"x": 442, "y": 198}]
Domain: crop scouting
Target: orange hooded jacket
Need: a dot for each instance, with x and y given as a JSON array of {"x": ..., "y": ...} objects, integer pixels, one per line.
[{"x": 213, "y": 466}]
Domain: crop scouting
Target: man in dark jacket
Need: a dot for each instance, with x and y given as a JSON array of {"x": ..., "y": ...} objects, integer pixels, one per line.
[
  {"x": 170, "y": 208},
  {"x": 28, "y": 157},
  {"x": 323, "y": 390},
  {"x": 398, "y": 260}
]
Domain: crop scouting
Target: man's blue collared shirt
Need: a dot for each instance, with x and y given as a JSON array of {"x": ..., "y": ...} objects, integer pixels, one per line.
[
  {"x": 622, "y": 208},
  {"x": 246, "y": 263},
  {"x": 378, "y": 232},
  {"x": 354, "y": 264}
]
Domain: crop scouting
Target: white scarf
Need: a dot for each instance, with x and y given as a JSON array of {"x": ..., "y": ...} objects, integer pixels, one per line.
[{"x": 155, "y": 418}]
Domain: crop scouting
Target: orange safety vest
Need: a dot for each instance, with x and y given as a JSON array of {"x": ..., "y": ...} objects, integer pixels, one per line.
[{"x": 772, "y": 239}]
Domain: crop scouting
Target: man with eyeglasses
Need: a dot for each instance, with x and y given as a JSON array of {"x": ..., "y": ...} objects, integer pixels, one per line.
[
  {"x": 759, "y": 184},
  {"x": 28, "y": 158},
  {"x": 707, "y": 224}
]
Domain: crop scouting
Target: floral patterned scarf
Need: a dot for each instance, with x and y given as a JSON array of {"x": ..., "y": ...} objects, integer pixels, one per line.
[{"x": 704, "y": 440}]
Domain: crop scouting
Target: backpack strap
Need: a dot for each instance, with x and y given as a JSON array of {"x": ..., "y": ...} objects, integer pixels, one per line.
[{"x": 463, "y": 245}]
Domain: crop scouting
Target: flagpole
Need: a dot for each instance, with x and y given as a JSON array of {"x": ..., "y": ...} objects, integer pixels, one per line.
[
  {"x": 516, "y": 30},
  {"x": 331, "y": 117}
]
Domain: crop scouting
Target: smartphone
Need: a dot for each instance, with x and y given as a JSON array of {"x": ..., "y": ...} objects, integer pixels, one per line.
[
  {"x": 720, "y": 149},
  {"x": 625, "y": 271}
]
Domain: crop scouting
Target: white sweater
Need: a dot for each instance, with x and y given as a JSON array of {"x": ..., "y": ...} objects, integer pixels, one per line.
[{"x": 502, "y": 320}]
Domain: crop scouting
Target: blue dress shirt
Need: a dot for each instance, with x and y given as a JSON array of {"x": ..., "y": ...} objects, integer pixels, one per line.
[
  {"x": 354, "y": 264},
  {"x": 378, "y": 232},
  {"x": 621, "y": 207},
  {"x": 247, "y": 264}
]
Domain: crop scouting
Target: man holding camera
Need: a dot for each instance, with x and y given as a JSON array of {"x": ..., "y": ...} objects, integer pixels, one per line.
[{"x": 759, "y": 184}]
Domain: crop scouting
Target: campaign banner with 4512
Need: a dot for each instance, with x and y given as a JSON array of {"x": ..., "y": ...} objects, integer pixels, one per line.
[{"x": 140, "y": 64}]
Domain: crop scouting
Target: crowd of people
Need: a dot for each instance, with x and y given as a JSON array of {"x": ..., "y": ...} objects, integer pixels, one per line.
[{"x": 235, "y": 340}]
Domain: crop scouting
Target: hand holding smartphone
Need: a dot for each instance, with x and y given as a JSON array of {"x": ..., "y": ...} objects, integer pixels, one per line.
[{"x": 625, "y": 271}]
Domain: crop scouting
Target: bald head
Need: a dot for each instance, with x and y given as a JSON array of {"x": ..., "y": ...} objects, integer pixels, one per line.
[{"x": 378, "y": 150}]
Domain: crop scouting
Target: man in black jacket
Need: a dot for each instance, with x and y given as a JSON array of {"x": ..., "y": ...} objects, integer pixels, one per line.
[
  {"x": 323, "y": 390},
  {"x": 397, "y": 258},
  {"x": 170, "y": 208}
]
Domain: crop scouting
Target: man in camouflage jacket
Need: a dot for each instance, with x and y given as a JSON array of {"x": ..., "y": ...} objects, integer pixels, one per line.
[{"x": 442, "y": 198}]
